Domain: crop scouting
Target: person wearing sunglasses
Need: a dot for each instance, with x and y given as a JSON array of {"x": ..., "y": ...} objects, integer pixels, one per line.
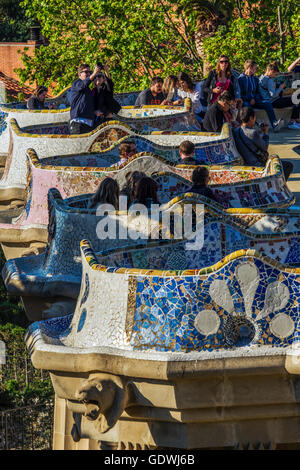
[
  {"x": 219, "y": 80},
  {"x": 82, "y": 101}
]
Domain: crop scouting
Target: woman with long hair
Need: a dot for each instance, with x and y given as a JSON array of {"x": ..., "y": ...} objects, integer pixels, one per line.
[
  {"x": 219, "y": 80},
  {"x": 187, "y": 89},
  {"x": 169, "y": 87},
  {"x": 146, "y": 192},
  {"x": 129, "y": 188},
  {"x": 107, "y": 193},
  {"x": 37, "y": 99}
]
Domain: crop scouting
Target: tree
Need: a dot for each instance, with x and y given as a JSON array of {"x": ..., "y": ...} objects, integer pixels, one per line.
[
  {"x": 14, "y": 25},
  {"x": 140, "y": 39}
]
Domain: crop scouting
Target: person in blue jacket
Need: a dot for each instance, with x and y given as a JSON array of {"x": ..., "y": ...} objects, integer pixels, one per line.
[
  {"x": 82, "y": 101},
  {"x": 250, "y": 93}
]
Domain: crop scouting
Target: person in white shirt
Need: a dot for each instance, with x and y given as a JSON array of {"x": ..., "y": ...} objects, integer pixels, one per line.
[{"x": 187, "y": 89}]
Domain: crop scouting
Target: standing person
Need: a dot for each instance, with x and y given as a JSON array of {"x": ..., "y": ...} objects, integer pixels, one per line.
[
  {"x": 82, "y": 101},
  {"x": 272, "y": 94},
  {"x": 153, "y": 95},
  {"x": 187, "y": 89},
  {"x": 104, "y": 102},
  {"x": 221, "y": 79},
  {"x": 218, "y": 113},
  {"x": 252, "y": 144},
  {"x": 37, "y": 99}
]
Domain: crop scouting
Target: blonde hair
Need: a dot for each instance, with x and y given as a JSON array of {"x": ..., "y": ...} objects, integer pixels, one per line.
[{"x": 169, "y": 84}]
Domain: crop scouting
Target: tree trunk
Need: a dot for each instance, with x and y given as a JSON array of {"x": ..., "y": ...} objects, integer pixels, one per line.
[{"x": 206, "y": 28}]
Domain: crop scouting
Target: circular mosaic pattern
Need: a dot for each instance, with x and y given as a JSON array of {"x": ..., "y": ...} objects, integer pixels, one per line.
[
  {"x": 282, "y": 326},
  {"x": 238, "y": 331},
  {"x": 207, "y": 322}
]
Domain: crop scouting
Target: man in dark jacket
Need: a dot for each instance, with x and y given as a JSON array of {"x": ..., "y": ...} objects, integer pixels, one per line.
[
  {"x": 82, "y": 101},
  {"x": 249, "y": 86},
  {"x": 215, "y": 115}
]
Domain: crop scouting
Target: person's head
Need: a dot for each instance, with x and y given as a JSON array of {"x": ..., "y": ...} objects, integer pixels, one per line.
[
  {"x": 127, "y": 149},
  {"x": 132, "y": 178},
  {"x": 200, "y": 176},
  {"x": 84, "y": 71},
  {"x": 146, "y": 189},
  {"x": 156, "y": 85},
  {"x": 185, "y": 82},
  {"x": 250, "y": 67},
  {"x": 107, "y": 193},
  {"x": 223, "y": 66},
  {"x": 170, "y": 83},
  {"x": 272, "y": 70},
  {"x": 248, "y": 117},
  {"x": 40, "y": 93},
  {"x": 99, "y": 79},
  {"x": 186, "y": 149},
  {"x": 225, "y": 100}
]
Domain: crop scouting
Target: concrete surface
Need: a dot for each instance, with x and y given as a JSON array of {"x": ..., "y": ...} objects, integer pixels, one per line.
[{"x": 285, "y": 144}]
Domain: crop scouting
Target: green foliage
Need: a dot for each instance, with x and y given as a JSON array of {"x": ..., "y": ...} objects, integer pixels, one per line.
[
  {"x": 135, "y": 39},
  {"x": 256, "y": 35},
  {"x": 20, "y": 383},
  {"x": 14, "y": 25}
]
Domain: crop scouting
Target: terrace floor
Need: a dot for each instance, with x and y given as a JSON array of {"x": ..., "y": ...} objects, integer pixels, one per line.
[{"x": 286, "y": 144}]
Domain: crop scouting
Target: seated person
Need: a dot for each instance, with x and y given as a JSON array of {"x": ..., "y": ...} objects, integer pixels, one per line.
[
  {"x": 200, "y": 178},
  {"x": 107, "y": 193},
  {"x": 217, "y": 113},
  {"x": 169, "y": 89},
  {"x": 129, "y": 188},
  {"x": 37, "y": 99},
  {"x": 146, "y": 192},
  {"x": 153, "y": 95},
  {"x": 272, "y": 95},
  {"x": 187, "y": 152},
  {"x": 187, "y": 89},
  {"x": 252, "y": 144},
  {"x": 104, "y": 103},
  {"x": 126, "y": 150}
]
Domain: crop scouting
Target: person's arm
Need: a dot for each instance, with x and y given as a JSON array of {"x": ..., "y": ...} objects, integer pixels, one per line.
[
  {"x": 261, "y": 141},
  {"x": 273, "y": 91},
  {"x": 141, "y": 99},
  {"x": 293, "y": 65},
  {"x": 207, "y": 84}
]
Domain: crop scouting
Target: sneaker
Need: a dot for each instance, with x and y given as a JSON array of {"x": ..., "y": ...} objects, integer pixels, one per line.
[
  {"x": 278, "y": 125},
  {"x": 294, "y": 125}
]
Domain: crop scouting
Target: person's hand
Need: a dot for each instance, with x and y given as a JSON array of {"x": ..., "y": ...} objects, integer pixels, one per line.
[
  {"x": 282, "y": 85},
  {"x": 252, "y": 102},
  {"x": 95, "y": 72},
  {"x": 217, "y": 89},
  {"x": 105, "y": 68},
  {"x": 178, "y": 102},
  {"x": 264, "y": 127},
  {"x": 164, "y": 102}
]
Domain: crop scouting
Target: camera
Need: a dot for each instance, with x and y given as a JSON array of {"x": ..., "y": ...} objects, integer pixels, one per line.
[{"x": 100, "y": 65}]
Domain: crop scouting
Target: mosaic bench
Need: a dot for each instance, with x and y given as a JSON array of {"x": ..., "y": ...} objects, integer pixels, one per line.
[
  {"x": 216, "y": 348},
  {"x": 232, "y": 186},
  {"x": 105, "y": 137},
  {"x": 57, "y": 271}
]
